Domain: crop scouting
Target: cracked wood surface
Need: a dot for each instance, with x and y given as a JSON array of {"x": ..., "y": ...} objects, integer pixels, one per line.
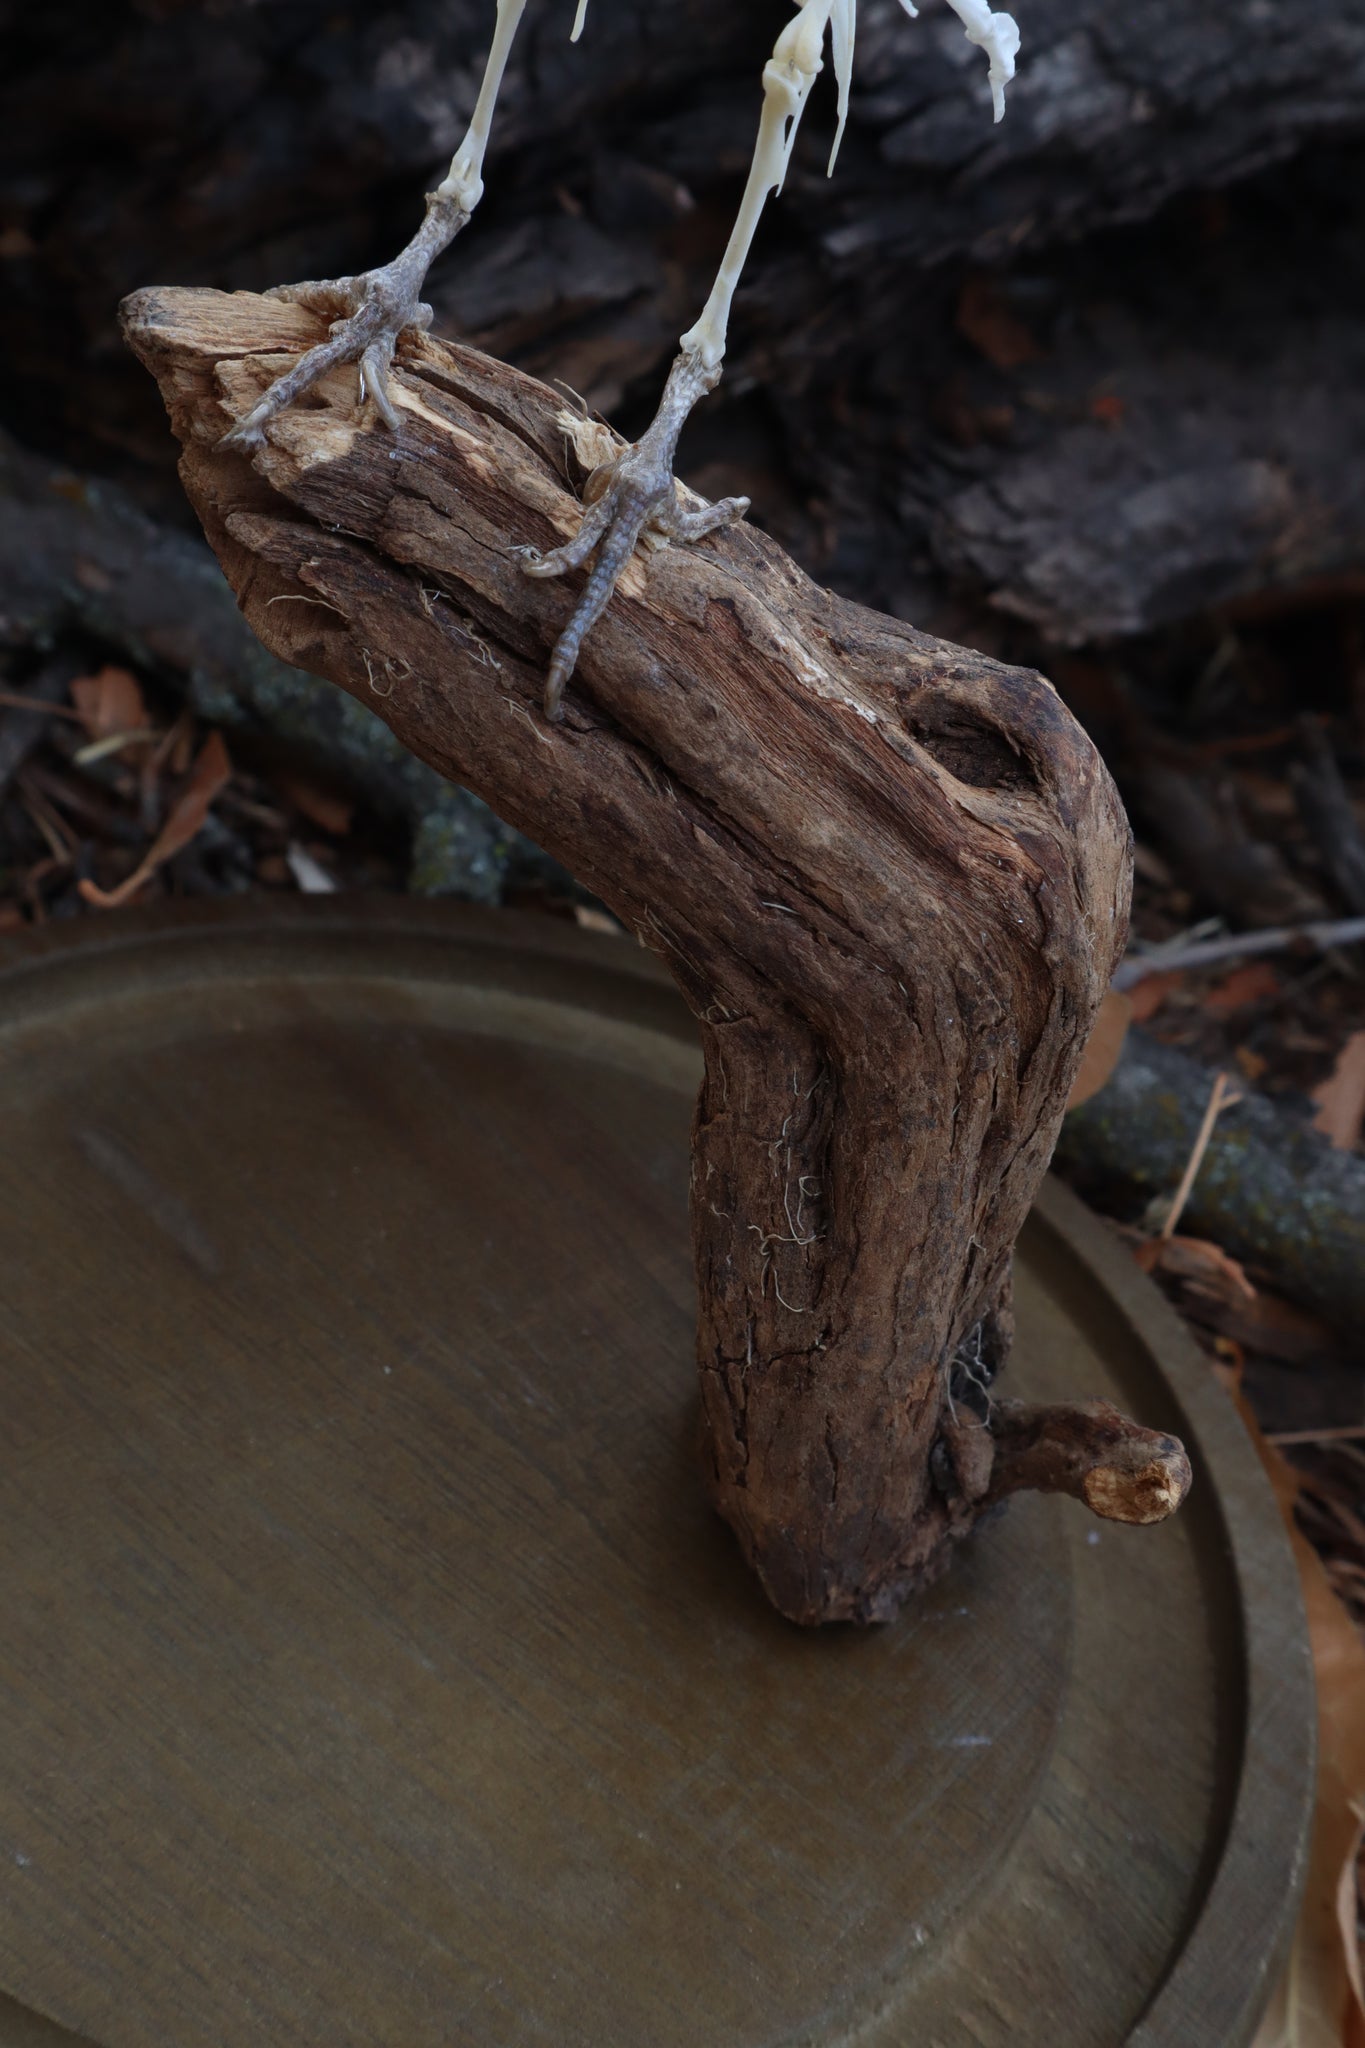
[{"x": 889, "y": 875}]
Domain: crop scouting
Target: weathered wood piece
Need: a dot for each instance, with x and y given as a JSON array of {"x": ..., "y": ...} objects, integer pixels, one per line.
[
  {"x": 890, "y": 877},
  {"x": 1091, "y": 1451}
]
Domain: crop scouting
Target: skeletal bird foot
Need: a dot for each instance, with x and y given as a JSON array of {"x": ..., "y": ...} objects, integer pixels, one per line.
[
  {"x": 366, "y": 333},
  {"x": 630, "y": 496},
  {"x": 635, "y": 490},
  {"x": 367, "y": 315}
]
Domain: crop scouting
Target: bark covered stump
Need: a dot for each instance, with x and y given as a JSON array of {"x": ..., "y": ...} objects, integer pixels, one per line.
[{"x": 890, "y": 877}]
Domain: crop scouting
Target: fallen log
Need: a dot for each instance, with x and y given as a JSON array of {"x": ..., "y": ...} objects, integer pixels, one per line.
[
  {"x": 889, "y": 876},
  {"x": 80, "y": 564},
  {"x": 1271, "y": 1191}
]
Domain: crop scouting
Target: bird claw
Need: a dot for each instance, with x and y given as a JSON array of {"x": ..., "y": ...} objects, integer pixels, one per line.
[
  {"x": 366, "y": 314},
  {"x": 635, "y": 491}
]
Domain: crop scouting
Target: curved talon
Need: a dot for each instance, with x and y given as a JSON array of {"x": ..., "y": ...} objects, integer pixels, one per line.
[
  {"x": 374, "y": 378},
  {"x": 575, "y": 552}
]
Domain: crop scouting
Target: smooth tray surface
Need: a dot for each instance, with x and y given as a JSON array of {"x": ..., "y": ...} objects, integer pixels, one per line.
[{"x": 371, "y": 1668}]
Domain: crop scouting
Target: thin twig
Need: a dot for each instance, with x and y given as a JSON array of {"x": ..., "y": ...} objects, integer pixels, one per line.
[
  {"x": 114, "y": 743},
  {"x": 15, "y": 700},
  {"x": 1345, "y": 931},
  {"x": 60, "y": 842},
  {"x": 1342, "y": 1435},
  {"x": 1220, "y": 1098}
]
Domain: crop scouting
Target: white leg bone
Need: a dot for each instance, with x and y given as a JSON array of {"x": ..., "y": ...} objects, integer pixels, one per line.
[
  {"x": 788, "y": 76},
  {"x": 463, "y": 182},
  {"x": 996, "y": 34},
  {"x": 843, "y": 21}
]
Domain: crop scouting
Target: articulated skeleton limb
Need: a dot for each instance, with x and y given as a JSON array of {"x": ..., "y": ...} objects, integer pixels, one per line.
[
  {"x": 637, "y": 490},
  {"x": 369, "y": 312}
]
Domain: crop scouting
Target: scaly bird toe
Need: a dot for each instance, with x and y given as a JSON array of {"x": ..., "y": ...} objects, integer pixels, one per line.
[
  {"x": 365, "y": 335},
  {"x": 625, "y": 496},
  {"x": 634, "y": 498}
]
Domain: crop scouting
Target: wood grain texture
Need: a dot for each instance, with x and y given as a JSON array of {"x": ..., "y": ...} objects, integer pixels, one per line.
[{"x": 890, "y": 877}]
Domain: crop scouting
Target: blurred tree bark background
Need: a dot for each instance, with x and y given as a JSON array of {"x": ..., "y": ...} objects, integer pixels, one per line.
[{"x": 1097, "y": 369}]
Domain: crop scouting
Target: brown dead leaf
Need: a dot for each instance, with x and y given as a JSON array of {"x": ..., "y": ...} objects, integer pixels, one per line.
[
  {"x": 1102, "y": 1048},
  {"x": 1277, "y": 1329},
  {"x": 991, "y": 325},
  {"x": 1318, "y": 2003},
  {"x": 590, "y": 919},
  {"x": 1250, "y": 1065},
  {"x": 1249, "y": 984},
  {"x": 1148, "y": 863},
  {"x": 1340, "y": 1098},
  {"x": 322, "y": 807},
  {"x": 186, "y": 816},
  {"x": 1108, "y": 408},
  {"x": 109, "y": 702},
  {"x": 1200, "y": 1264},
  {"x": 1146, "y": 996}
]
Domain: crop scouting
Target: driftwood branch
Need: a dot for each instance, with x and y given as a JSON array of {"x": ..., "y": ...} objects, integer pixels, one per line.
[
  {"x": 1302, "y": 938},
  {"x": 889, "y": 876}
]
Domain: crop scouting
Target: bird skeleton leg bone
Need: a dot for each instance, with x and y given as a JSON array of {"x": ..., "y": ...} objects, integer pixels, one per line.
[
  {"x": 637, "y": 489},
  {"x": 370, "y": 311}
]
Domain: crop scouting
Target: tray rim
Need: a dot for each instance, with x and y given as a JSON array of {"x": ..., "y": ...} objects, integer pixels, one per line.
[
  {"x": 1239, "y": 1923},
  {"x": 1277, "y": 1768}
]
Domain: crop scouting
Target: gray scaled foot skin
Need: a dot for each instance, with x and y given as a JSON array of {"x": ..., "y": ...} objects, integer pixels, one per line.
[
  {"x": 632, "y": 492},
  {"x": 368, "y": 313}
]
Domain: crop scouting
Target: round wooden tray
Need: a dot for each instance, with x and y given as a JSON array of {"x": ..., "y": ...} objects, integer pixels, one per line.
[{"x": 373, "y": 1670}]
